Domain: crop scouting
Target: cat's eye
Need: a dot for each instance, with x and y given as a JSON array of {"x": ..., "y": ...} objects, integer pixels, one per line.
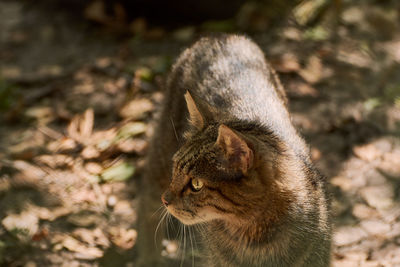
[{"x": 196, "y": 184}]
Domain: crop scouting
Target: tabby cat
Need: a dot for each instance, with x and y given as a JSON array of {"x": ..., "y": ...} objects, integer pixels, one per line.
[{"x": 241, "y": 170}]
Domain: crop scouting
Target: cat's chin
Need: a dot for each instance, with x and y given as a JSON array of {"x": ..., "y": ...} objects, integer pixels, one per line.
[
  {"x": 185, "y": 219},
  {"x": 192, "y": 219}
]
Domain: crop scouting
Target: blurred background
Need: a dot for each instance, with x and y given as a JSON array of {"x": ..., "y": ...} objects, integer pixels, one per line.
[{"x": 80, "y": 82}]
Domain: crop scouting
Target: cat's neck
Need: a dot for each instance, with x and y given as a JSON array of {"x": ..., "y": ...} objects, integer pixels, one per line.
[
  {"x": 249, "y": 244},
  {"x": 267, "y": 232}
]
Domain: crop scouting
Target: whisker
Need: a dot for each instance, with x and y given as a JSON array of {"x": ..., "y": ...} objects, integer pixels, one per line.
[
  {"x": 173, "y": 126},
  {"x": 168, "y": 223},
  {"x": 158, "y": 226},
  {"x": 191, "y": 244},
  {"x": 184, "y": 245},
  {"x": 158, "y": 210}
]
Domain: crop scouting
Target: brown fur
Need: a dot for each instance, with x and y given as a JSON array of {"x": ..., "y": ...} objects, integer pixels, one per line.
[{"x": 262, "y": 203}]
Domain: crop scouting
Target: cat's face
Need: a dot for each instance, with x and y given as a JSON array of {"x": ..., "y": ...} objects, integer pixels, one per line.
[
  {"x": 217, "y": 175},
  {"x": 214, "y": 178}
]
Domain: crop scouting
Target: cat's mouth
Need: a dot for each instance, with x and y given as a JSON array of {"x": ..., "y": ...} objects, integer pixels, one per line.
[
  {"x": 189, "y": 217},
  {"x": 185, "y": 216}
]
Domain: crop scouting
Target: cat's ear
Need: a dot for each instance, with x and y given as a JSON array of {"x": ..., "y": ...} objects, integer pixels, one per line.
[
  {"x": 196, "y": 119},
  {"x": 237, "y": 153}
]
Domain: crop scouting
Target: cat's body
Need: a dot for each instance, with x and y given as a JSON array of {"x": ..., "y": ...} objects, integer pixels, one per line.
[{"x": 243, "y": 171}]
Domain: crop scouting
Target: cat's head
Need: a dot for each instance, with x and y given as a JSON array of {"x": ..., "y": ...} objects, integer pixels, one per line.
[{"x": 216, "y": 174}]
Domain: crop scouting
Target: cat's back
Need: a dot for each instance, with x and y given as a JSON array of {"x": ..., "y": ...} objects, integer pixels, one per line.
[
  {"x": 225, "y": 69},
  {"x": 230, "y": 74}
]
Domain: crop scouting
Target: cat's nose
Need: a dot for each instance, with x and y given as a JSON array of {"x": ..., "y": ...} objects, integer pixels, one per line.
[
  {"x": 164, "y": 201},
  {"x": 166, "y": 198}
]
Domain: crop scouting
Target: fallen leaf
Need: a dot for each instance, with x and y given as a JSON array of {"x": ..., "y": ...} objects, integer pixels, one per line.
[
  {"x": 379, "y": 197},
  {"x": 137, "y": 146},
  {"x": 348, "y": 235},
  {"x": 55, "y": 161},
  {"x": 312, "y": 73},
  {"x": 85, "y": 218},
  {"x": 40, "y": 235},
  {"x": 90, "y": 152},
  {"x": 86, "y": 124},
  {"x": 367, "y": 152},
  {"x": 82, "y": 251},
  {"x": 288, "y": 62},
  {"x": 96, "y": 11},
  {"x": 92, "y": 237},
  {"x": 138, "y": 26},
  {"x": 123, "y": 238},
  {"x": 184, "y": 34},
  {"x": 136, "y": 109},
  {"x": 375, "y": 227},
  {"x": 93, "y": 168},
  {"x": 24, "y": 225},
  {"x": 64, "y": 144},
  {"x": 118, "y": 172}
]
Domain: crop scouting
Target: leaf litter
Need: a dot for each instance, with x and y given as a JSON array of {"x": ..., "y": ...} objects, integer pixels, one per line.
[{"x": 73, "y": 144}]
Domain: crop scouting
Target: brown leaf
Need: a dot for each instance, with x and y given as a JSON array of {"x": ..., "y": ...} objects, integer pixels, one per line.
[
  {"x": 375, "y": 227},
  {"x": 64, "y": 144},
  {"x": 123, "y": 238},
  {"x": 137, "y": 146},
  {"x": 94, "y": 237},
  {"x": 348, "y": 235},
  {"x": 93, "y": 168},
  {"x": 136, "y": 109},
  {"x": 43, "y": 233},
  {"x": 96, "y": 11},
  {"x": 50, "y": 215},
  {"x": 138, "y": 26},
  {"x": 82, "y": 251},
  {"x": 90, "y": 152},
  {"x": 55, "y": 161},
  {"x": 367, "y": 152},
  {"x": 85, "y": 218},
  {"x": 312, "y": 73},
  {"x": 286, "y": 63},
  {"x": 26, "y": 222},
  {"x": 362, "y": 211},
  {"x": 72, "y": 128},
  {"x": 379, "y": 197},
  {"x": 86, "y": 124},
  {"x": 301, "y": 89}
]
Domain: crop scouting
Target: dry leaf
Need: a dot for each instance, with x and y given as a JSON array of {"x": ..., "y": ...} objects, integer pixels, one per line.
[
  {"x": 367, "y": 152},
  {"x": 90, "y": 152},
  {"x": 82, "y": 251},
  {"x": 94, "y": 237},
  {"x": 136, "y": 109},
  {"x": 137, "y": 146},
  {"x": 40, "y": 235},
  {"x": 313, "y": 71},
  {"x": 123, "y": 238},
  {"x": 64, "y": 144},
  {"x": 287, "y": 63},
  {"x": 86, "y": 124},
  {"x": 84, "y": 218},
  {"x": 55, "y": 161},
  {"x": 96, "y": 11},
  {"x": 26, "y": 224},
  {"x": 93, "y": 168},
  {"x": 118, "y": 172}
]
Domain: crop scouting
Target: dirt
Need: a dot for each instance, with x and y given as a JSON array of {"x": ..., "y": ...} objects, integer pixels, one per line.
[{"x": 77, "y": 103}]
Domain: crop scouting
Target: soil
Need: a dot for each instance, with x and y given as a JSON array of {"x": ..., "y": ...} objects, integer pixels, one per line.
[{"x": 78, "y": 93}]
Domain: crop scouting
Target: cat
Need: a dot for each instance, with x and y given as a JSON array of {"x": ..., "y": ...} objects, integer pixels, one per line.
[{"x": 242, "y": 171}]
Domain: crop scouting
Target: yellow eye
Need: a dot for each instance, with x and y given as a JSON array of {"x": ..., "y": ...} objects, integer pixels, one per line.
[{"x": 197, "y": 184}]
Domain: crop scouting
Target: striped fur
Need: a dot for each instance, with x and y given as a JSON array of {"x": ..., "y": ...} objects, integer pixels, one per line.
[{"x": 267, "y": 209}]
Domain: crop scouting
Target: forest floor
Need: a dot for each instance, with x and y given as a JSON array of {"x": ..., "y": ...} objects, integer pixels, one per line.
[{"x": 77, "y": 101}]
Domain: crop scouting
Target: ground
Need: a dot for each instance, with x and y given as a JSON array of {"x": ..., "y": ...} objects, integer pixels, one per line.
[{"x": 78, "y": 94}]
